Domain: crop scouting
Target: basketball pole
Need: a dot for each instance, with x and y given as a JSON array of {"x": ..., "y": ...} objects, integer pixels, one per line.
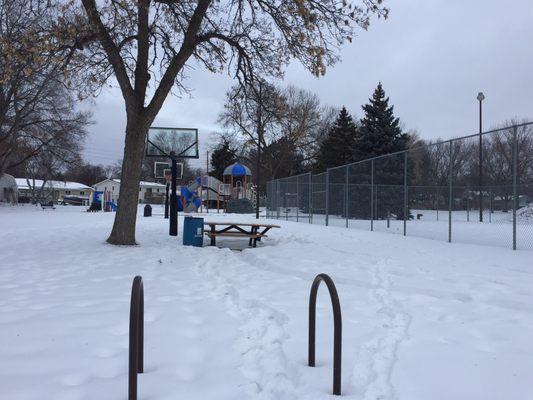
[
  {"x": 173, "y": 228},
  {"x": 207, "y": 180},
  {"x": 166, "y": 199}
]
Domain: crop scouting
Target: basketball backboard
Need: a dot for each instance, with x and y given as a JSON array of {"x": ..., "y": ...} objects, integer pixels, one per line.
[
  {"x": 159, "y": 169},
  {"x": 179, "y": 173},
  {"x": 162, "y": 141}
]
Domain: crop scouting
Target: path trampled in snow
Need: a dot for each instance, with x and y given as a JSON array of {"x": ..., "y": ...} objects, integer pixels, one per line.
[{"x": 421, "y": 319}]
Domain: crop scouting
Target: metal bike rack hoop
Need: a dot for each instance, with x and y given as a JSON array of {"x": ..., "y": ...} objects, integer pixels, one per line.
[
  {"x": 136, "y": 343},
  {"x": 337, "y": 328}
]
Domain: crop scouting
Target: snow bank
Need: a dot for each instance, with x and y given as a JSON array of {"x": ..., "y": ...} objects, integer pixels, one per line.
[{"x": 525, "y": 213}]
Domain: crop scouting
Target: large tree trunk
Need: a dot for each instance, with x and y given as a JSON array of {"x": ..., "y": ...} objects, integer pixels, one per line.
[{"x": 123, "y": 232}]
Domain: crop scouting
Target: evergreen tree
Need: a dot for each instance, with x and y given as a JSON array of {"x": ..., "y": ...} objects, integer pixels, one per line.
[
  {"x": 338, "y": 146},
  {"x": 380, "y": 131},
  {"x": 380, "y": 134},
  {"x": 282, "y": 159},
  {"x": 223, "y": 156}
]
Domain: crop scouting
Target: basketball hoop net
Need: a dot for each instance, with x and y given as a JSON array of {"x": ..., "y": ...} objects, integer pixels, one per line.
[{"x": 168, "y": 175}]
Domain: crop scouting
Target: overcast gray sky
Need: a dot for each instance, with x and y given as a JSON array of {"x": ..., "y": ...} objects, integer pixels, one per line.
[{"x": 432, "y": 56}]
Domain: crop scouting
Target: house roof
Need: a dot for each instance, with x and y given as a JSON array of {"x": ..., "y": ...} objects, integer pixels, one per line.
[
  {"x": 7, "y": 180},
  {"x": 141, "y": 183},
  {"x": 22, "y": 183}
]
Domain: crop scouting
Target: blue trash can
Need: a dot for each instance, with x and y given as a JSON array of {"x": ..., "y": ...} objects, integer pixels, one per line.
[{"x": 193, "y": 232}]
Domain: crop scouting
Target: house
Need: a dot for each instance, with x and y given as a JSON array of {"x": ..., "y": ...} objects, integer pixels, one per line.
[
  {"x": 149, "y": 192},
  {"x": 65, "y": 192},
  {"x": 8, "y": 189}
]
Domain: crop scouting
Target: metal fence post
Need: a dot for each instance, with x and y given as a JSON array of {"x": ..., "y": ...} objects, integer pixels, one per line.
[
  {"x": 515, "y": 176},
  {"x": 327, "y": 197},
  {"x": 372, "y": 195},
  {"x": 277, "y": 200},
  {"x": 438, "y": 198},
  {"x": 346, "y": 194},
  {"x": 468, "y": 206},
  {"x": 286, "y": 199},
  {"x": 297, "y": 200},
  {"x": 450, "y": 194},
  {"x": 490, "y": 204},
  {"x": 269, "y": 200},
  {"x": 310, "y": 198},
  {"x": 405, "y": 208}
]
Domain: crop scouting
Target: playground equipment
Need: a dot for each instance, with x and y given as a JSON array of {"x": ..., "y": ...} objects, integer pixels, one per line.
[
  {"x": 211, "y": 191},
  {"x": 188, "y": 199},
  {"x": 101, "y": 201},
  {"x": 239, "y": 178},
  {"x": 235, "y": 194}
]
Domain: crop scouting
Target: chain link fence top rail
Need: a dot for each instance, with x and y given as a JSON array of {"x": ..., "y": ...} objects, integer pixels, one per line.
[{"x": 475, "y": 189}]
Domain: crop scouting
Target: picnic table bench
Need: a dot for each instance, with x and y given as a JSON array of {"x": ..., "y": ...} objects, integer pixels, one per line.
[
  {"x": 253, "y": 231},
  {"x": 49, "y": 206}
]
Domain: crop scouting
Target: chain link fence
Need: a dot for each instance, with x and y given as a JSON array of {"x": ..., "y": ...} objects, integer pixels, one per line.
[{"x": 475, "y": 189}]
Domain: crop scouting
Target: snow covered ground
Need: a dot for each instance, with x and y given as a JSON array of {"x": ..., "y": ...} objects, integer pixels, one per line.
[
  {"x": 422, "y": 319},
  {"x": 496, "y": 230}
]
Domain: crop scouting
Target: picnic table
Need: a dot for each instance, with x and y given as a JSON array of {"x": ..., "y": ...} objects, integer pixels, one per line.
[
  {"x": 253, "y": 231},
  {"x": 48, "y": 206}
]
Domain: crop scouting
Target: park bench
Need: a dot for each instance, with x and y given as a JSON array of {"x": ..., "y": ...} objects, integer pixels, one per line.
[
  {"x": 254, "y": 232},
  {"x": 48, "y": 206}
]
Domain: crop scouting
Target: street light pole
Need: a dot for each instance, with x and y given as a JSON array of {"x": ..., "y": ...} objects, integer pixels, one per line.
[
  {"x": 259, "y": 140},
  {"x": 480, "y": 98}
]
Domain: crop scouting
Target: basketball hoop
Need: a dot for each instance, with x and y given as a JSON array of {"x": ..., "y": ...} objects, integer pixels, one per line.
[
  {"x": 168, "y": 175},
  {"x": 173, "y": 143}
]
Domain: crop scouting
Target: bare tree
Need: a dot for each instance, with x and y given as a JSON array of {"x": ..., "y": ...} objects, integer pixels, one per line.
[
  {"x": 37, "y": 114},
  {"x": 289, "y": 122},
  {"x": 84, "y": 172},
  {"x": 305, "y": 121},
  {"x": 255, "y": 110},
  {"x": 499, "y": 162},
  {"x": 146, "y": 45}
]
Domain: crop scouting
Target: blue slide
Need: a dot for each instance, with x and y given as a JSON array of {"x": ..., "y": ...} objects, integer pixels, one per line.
[
  {"x": 112, "y": 206},
  {"x": 192, "y": 201}
]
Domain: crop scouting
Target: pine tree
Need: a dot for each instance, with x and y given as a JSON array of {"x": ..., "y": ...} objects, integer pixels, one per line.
[
  {"x": 222, "y": 157},
  {"x": 338, "y": 146},
  {"x": 380, "y": 131},
  {"x": 380, "y": 134}
]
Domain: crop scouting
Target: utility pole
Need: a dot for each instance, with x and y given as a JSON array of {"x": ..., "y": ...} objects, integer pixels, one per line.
[
  {"x": 207, "y": 180},
  {"x": 480, "y": 98},
  {"x": 259, "y": 140}
]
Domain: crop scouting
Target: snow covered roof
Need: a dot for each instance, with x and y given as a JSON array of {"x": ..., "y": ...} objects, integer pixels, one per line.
[
  {"x": 22, "y": 183},
  {"x": 7, "y": 180},
  {"x": 141, "y": 183}
]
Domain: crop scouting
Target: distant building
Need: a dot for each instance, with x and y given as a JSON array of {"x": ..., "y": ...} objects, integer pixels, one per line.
[
  {"x": 56, "y": 191},
  {"x": 149, "y": 192},
  {"x": 8, "y": 189}
]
